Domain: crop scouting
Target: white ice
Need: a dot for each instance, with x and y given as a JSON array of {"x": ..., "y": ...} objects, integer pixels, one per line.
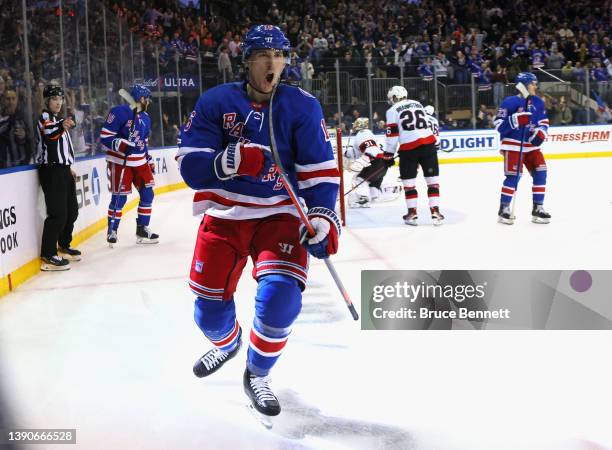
[{"x": 107, "y": 348}]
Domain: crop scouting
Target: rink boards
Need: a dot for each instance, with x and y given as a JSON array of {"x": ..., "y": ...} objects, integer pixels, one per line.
[
  {"x": 22, "y": 209},
  {"x": 483, "y": 145}
]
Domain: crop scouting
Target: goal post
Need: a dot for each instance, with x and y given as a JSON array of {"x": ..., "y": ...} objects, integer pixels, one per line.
[{"x": 339, "y": 153}]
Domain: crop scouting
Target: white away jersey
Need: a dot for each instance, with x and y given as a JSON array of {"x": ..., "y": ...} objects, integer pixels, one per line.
[
  {"x": 408, "y": 125},
  {"x": 434, "y": 126},
  {"x": 364, "y": 143}
]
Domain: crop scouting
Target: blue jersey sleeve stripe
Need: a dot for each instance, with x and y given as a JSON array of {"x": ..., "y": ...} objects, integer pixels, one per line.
[{"x": 330, "y": 164}]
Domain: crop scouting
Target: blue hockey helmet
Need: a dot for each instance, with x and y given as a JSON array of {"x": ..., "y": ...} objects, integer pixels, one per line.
[
  {"x": 139, "y": 90},
  {"x": 526, "y": 78},
  {"x": 264, "y": 37}
]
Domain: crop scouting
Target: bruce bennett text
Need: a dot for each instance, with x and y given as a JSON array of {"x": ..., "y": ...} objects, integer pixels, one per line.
[{"x": 426, "y": 313}]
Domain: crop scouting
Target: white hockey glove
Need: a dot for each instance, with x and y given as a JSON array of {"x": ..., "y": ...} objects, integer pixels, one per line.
[
  {"x": 360, "y": 163},
  {"x": 327, "y": 230},
  {"x": 243, "y": 159}
]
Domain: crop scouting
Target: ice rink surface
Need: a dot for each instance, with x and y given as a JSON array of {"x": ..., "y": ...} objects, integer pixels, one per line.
[{"x": 107, "y": 348}]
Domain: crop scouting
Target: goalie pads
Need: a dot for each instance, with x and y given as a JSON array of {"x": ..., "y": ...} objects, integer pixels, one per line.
[{"x": 360, "y": 163}]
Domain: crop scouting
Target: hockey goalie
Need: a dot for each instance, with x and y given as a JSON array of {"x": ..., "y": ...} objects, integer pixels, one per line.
[{"x": 369, "y": 164}]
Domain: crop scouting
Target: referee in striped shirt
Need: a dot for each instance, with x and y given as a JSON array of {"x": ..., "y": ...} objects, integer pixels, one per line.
[{"x": 55, "y": 155}]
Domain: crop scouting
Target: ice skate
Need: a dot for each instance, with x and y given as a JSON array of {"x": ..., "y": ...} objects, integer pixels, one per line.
[
  {"x": 111, "y": 238},
  {"x": 411, "y": 217},
  {"x": 437, "y": 216},
  {"x": 358, "y": 201},
  {"x": 145, "y": 236},
  {"x": 214, "y": 359},
  {"x": 505, "y": 215},
  {"x": 362, "y": 202},
  {"x": 71, "y": 254},
  {"x": 375, "y": 194},
  {"x": 261, "y": 396},
  {"x": 538, "y": 215},
  {"x": 54, "y": 264}
]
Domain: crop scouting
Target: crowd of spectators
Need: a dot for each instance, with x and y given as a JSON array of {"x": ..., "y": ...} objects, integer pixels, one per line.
[
  {"x": 453, "y": 39},
  {"x": 450, "y": 40}
]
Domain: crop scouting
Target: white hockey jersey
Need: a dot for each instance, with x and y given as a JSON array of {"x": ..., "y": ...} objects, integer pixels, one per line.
[
  {"x": 364, "y": 143},
  {"x": 434, "y": 126},
  {"x": 408, "y": 125}
]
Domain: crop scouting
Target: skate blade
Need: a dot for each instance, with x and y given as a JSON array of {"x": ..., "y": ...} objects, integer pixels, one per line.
[
  {"x": 505, "y": 221},
  {"x": 70, "y": 257},
  {"x": 412, "y": 223},
  {"x": 146, "y": 241},
  {"x": 51, "y": 268},
  {"x": 264, "y": 420},
  {"x": 539, "y": 220},
  {"x": 438, "y": 222}
]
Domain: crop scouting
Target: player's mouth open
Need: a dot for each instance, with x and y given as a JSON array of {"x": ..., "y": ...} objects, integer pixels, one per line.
[{"x": 270, "y": 77}]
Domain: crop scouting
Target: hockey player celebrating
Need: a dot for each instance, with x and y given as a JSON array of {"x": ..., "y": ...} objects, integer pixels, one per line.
[
  {"x": 124, "y": 137},
  {"x": 523, "y": 126},
  {"x": 224, "y": 155},
  {"x": 408, "y": 126},
  {"x": 369, "y": 165}
]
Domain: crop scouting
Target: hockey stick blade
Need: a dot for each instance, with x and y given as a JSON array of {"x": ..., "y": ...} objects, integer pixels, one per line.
[
  {"x": 294, "y": 199},
  {"x": 125, "y": 95}
]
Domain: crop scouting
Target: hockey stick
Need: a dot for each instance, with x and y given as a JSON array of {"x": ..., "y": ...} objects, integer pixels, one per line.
[
  {"x": 128, "y": 98},
  {"x": 348, "y": 142},
  {"x": 294, "y": 199},
  {"x": 552, "y": 76},
  {"x": 520, "y": 162},
  {"x": 369, "y": 177}
]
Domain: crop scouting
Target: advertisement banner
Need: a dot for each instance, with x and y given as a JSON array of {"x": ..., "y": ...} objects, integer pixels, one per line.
[
  {"x": 21, "y": 207},
  {"x": 486, "y": 300},
  {"x": 23, "y": 211},
  {"x": 458, "y": 144},
  {"x": 595, "y": 138},
  {"x": 171, "y": 83}
]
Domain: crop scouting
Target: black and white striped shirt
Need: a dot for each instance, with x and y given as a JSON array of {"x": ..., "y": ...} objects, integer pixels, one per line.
[{"x": 54, "y": 143}]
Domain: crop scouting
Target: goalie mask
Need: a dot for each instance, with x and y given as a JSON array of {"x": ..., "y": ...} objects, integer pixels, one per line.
[{"x": 361, "y": 123}]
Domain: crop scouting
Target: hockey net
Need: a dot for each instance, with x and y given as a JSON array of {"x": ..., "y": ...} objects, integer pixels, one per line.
[{"x": 390, "y": 190}]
